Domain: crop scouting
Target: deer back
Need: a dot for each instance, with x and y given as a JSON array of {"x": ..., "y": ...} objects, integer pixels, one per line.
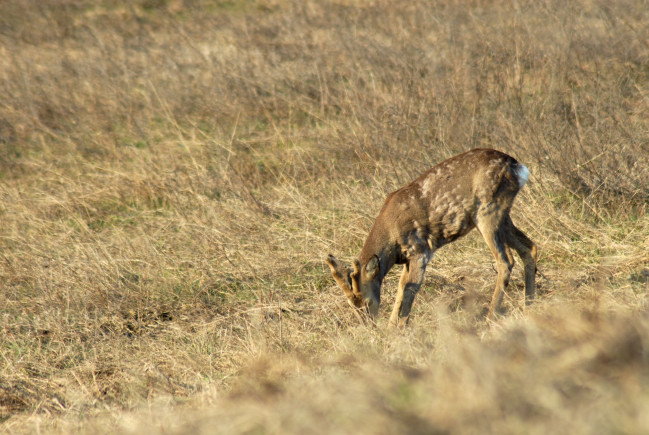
[{"x": 442, "y": 205}]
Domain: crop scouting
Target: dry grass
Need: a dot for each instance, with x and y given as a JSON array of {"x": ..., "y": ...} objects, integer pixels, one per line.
[{"x": 172, "y": 174}]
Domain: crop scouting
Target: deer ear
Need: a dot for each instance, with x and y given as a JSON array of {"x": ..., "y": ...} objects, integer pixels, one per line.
[
  {"x": 337, "y": 268},
  {"x": 341, "y": 275},
  {"x": 372, "y": 267},
  {"x": 357, "y": 266}
]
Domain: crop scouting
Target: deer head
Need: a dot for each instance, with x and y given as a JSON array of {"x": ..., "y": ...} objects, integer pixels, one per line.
[{"x": 361, "y": 285}]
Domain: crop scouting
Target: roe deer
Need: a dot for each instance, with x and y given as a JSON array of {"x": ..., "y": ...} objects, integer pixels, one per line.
[{"x": 473, "y": 189}]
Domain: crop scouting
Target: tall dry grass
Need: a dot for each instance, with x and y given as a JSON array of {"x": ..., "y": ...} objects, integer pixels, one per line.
[{"x": 172, "y": 174}]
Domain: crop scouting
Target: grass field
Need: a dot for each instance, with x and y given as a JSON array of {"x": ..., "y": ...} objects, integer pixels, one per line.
[{"x": 173, "y": 174}]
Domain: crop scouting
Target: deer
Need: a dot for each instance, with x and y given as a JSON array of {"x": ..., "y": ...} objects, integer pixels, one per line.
[{"x": 475, "y": 189}]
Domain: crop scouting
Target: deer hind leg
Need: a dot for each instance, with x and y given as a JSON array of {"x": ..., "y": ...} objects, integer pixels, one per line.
[
  {"x": 526, "y": 249},
  {"x": 411, "y": 279},
  {"x": 494, "y": 235}
]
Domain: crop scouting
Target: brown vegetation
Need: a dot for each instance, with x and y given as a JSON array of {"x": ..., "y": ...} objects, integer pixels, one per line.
[{"x": 172, "y": 174}]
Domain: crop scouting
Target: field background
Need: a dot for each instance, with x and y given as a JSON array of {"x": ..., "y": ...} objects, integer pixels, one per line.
[{"x": 173, "y": 174}]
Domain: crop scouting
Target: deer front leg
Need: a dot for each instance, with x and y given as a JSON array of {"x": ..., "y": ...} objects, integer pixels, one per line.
[
  {"x": 411, "y": 279},
  {"x": 394, "y": 317}
]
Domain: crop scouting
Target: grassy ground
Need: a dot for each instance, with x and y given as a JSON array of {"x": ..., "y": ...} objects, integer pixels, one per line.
[{"x": 173, "y": 174}]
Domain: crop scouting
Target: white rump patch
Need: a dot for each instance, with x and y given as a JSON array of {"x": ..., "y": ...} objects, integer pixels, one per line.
[{"x": 522, "y": 174}]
